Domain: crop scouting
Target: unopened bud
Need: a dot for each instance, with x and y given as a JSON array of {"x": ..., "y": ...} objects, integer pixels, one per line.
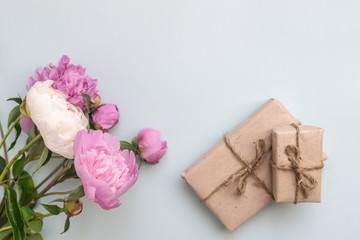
[
  {"x": 97, "y": 102},
  {"x": 73, "y": 207}
]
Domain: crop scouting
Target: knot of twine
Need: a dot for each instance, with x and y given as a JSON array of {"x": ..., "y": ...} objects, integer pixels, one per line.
[
  {"x": 240, "y": 177},
  {"x": 304, "y": 181}
]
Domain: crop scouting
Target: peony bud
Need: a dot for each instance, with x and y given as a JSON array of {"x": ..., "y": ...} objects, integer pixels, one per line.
[
  {"x": 105, "y": 116},
  {"x": 73, "y": 207},
  {"x": 26, "y": 124},
  {"x": 96, "y": 102},
  {"x": 150, "y": 145},
  {"x": 57, "y": 120}
]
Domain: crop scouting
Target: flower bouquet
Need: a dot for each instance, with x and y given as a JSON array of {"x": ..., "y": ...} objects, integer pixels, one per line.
[{"x": 65, "y": 122}]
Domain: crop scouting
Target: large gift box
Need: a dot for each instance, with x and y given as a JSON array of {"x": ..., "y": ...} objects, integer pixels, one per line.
[
  {"x": 234, "y": 177},
  {"x": 297, "y": 163}
]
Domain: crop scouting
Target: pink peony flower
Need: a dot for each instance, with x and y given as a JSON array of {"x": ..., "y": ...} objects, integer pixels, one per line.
[
  {"x": 26, "y": 124},
  {"x": 150, "y": 146},
  {"x": 68, "y": 79},
  {"x": 105, "y": 116},
  {"x": 105, "y": 171}
]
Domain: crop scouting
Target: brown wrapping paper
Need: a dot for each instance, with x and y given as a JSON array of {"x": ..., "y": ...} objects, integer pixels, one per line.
[
  {"x": 284, "y": 182},
  {"x": 215, "y": 166}
]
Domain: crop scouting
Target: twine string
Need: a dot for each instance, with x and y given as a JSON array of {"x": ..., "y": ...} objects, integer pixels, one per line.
[{"x": 241, "y": 176}]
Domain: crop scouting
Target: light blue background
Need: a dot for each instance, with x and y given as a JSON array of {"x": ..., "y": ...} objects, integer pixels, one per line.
[{"x": 194, "y": 69}]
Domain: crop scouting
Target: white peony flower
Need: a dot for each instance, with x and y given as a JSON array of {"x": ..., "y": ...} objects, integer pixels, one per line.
[{"x": 57, "y": 120}]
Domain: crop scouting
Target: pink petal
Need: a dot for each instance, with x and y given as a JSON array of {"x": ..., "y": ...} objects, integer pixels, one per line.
[{"x": 26, "y": 124}]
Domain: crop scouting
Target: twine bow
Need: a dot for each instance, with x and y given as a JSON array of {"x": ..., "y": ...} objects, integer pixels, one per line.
[
  {"x": 240, "y": 177},
  {"x": 304, "y": 181}
]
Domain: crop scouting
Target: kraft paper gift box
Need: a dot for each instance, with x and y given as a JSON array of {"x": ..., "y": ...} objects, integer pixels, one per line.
[
  {"x": 234, "y": 179},
  {"x": 297, "y": 163}
]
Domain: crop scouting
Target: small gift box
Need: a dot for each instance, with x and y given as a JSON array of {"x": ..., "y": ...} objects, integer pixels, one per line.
[
  {"x": 297, "y": 162},
  {"x": 234, "y": 177}
]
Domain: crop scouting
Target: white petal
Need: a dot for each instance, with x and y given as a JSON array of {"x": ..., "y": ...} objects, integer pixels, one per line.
[{"x": 57, "y": 120}]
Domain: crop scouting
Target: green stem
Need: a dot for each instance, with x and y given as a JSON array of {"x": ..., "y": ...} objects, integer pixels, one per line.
[
  {"x": 9, "y": 131},
  {"x": 13, "y": 179},
  {"x": 5, "y": 228},
  {"x": 49, "y": 176},
  {"x": 52, "y": 157},
  {"x": 5, "y": 150},
  {"x": 2, "y": 204},
  {"x": 43, "y": 216},
  {"x": 2, "y": 176},
  {"x": 67, "y": 178},
  {"x": 51, "y": 184},
  {"x": 56, "y": 193}
]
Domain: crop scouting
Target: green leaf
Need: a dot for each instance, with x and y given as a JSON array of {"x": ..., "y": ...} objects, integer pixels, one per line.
[
  {"x": 18, "y": 166},
  {"x": 18, "y": 132},
  {"x": 35, "y": 236},
  {"x": 67, "y": 225},
  {"x": 88, "y": 118},
  {"x": 33, "y": 132},
  {"x": 134, "y": 143},
  {"x": 87, "y": 101},
  {"x": 18, "y": 100},
  {"x": 48, "y": 157},
  {"x": 27, "y": 213},
  {"x": 2, "y": 164},
  {"x": 44, "y": 158},
  {"x": 35, "y": 226},
  {"x": 3, "y": 219},
  {"x": 88, "y": 108},
  {"x": 58, "y": 200},
  {"x": 69, "y": 173},
  {"x": 77, "y": 193},
  {"x": 126, "y": 145},
  {"x": 26, "y": 188},
  {"x": 53, "y": 209},
  {"x": 36, "y": 149},
  {"x": 13, "y": 115},
  {"x": 5, "y": 234},
  {"x": 13, "y": 214}
]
